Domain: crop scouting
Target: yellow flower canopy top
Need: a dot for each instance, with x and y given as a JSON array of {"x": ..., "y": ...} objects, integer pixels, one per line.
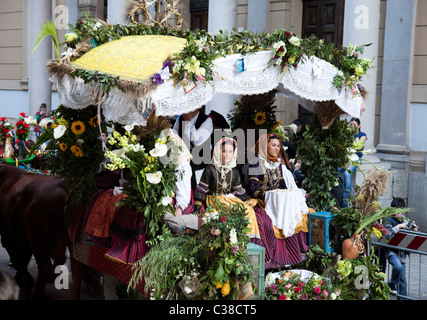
[{"x": 134, "y": 58}]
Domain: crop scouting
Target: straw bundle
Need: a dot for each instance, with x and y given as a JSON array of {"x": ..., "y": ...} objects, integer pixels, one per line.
[{"x": 327, "y": 112}]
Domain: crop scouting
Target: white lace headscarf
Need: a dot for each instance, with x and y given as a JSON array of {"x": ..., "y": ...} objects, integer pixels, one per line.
[{"x": 217, "y": 157}]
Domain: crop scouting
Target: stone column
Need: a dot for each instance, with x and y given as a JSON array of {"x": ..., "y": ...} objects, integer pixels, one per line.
[
  {"x": 361, "y": 26},
  {"x": 222, "y": 16},
  {"x": 397, "y": 76},
  {"x": 257, "y": 15},
  {"x": 117, "y": 12},
  {"x": 39, "y": 86}
]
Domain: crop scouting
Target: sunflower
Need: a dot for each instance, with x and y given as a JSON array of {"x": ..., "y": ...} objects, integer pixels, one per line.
[
  {"x": 76, "y": 151},
  {"x": 260, "y": 118},
  {"x": 78, "y": 127},
  {"x": 94, "y": 122},
  {"x": 63, "y": 146}
]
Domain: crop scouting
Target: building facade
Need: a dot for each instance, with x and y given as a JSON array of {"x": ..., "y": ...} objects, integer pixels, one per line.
[{"x": 396, "y": 106}]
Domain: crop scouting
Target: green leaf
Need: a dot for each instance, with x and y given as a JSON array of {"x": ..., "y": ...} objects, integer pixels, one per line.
[{"x": 48, "y": 29}]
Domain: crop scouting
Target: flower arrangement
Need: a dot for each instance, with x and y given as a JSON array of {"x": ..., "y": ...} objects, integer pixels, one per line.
[
  {"x": 359, "y": 278},
  {"x": 223, "y": 237},
  {"x": 194, "y": 62},
  {"x": 5, "y": 129},
  {"x": 288, "y": 285},
  {"x": 351, "y": 68},
  {"x": 287, "y": 50},
  {"x": 211, "y": 264},
  {"x": 22, "y": 127},
  {"x": 151, "y": 188},
  {"x": 74, "y": 149}
]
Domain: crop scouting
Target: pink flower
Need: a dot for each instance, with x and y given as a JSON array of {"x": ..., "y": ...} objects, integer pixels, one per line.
[
  {"x": 325, "y": 293},
  {"x": 282, "y": 297},
  {"x": 288, "y": 286},
  {"x": 316, "y": 290}
]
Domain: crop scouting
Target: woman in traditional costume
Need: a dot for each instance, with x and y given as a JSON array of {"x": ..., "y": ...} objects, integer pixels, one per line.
[
  {"x": 221, "y": 179},
  {"x": 281, "y": 210}
]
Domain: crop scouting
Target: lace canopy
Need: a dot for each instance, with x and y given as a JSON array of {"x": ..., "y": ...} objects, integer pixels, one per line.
[{"x": 310, "y": 82}]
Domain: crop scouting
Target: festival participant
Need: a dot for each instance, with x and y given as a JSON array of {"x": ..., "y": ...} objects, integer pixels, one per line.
[
  {"x": 40, "y": 115},
  {"x": 196, "y": 129},
  {"x": 221, "y": 179},
  {"x": 281, "y": 210}
]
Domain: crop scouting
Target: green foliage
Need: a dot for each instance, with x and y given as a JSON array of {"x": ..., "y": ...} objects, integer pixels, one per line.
[
  {"x": 48, "y": 29},
  {"x": 258, "y": 111},
  {"x": 75, "y": 155},
  {"x": 322, "y": 152},
  {"x": 165, "y": 265},
  {"x": 359, "y": 279},
  {"x": 108, "y": 81},
  {"x": 216, "y": 255}
]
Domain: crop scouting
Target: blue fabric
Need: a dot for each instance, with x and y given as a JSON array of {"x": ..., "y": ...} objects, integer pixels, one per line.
[{"x": 347, "y": 184}]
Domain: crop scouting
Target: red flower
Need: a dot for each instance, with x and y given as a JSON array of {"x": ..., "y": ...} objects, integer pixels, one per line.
[
  {"x": 223, "y": 219},
  {"x": 23, "y": 114},
  {"x": 282, "y": 297},
  {"x": 317, "y": 290},
  {"x": 297, "y": 289},
  {"x": 18, "y": 141}
]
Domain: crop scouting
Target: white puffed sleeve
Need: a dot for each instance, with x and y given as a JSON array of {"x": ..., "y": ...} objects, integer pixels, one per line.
[{"x": 183, "y": 185}]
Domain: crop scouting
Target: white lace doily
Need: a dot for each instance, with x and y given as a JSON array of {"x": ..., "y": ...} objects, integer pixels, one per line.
[
  {"x": 256, "y": 79},
  {"x": 312, "y": 81}
]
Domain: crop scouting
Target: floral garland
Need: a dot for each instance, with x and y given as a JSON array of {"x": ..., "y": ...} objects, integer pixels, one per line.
[
  {"x": 351, "y": 67},
  {"x": 195, "y": 61},
  {"x": 151, "y": 189},
  {"x": 5, "y": 129},
  {"x": 287, "y": 50}
]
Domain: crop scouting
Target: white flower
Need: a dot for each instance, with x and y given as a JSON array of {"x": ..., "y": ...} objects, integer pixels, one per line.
[
  {"x": 154, "y": 178},
  {"x": 135, "y": 147},
  {"x": 233, "y": 237},
  {"x": 119, "y": 152},
  {"x": 352, "y": 156},
  {"x": 59, "y": 131},
  {"x": 295, "y": 41},
  {"x": 45, "y": 122},
  {"x": 159, "y": 150},
  {"x": 166, "y": 201},
  {"x": 30, "y": 120},
  {"x": 129, "y": 127}
]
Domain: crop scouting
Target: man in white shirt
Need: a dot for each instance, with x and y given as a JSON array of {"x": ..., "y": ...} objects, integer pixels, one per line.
[{"x": 196, "y": 128}]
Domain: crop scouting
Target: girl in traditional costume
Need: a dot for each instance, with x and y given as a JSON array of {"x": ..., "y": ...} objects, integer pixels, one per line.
[
  {"x": 281, "y": 210},
  {"x": 221, "y": 179}
]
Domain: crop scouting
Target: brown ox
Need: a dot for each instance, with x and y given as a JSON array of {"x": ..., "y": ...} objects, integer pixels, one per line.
[{"x": 31, "y": 223}]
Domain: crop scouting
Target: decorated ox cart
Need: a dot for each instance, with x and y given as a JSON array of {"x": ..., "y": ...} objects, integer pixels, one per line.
[{"x": 118, "y": 78}]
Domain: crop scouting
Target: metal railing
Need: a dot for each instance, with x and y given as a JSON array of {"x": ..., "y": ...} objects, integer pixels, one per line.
[{"x": 416, "y": 263}]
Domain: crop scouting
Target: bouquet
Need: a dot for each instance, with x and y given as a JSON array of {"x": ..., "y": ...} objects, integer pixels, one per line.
[
  {"x": 151, "y": 187},
  {"x": 289, "y": 285},
  {"x": 23, "y": 127},
  {"x": 223, "y": 239},
  {"x": 5, "y": 129}
]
